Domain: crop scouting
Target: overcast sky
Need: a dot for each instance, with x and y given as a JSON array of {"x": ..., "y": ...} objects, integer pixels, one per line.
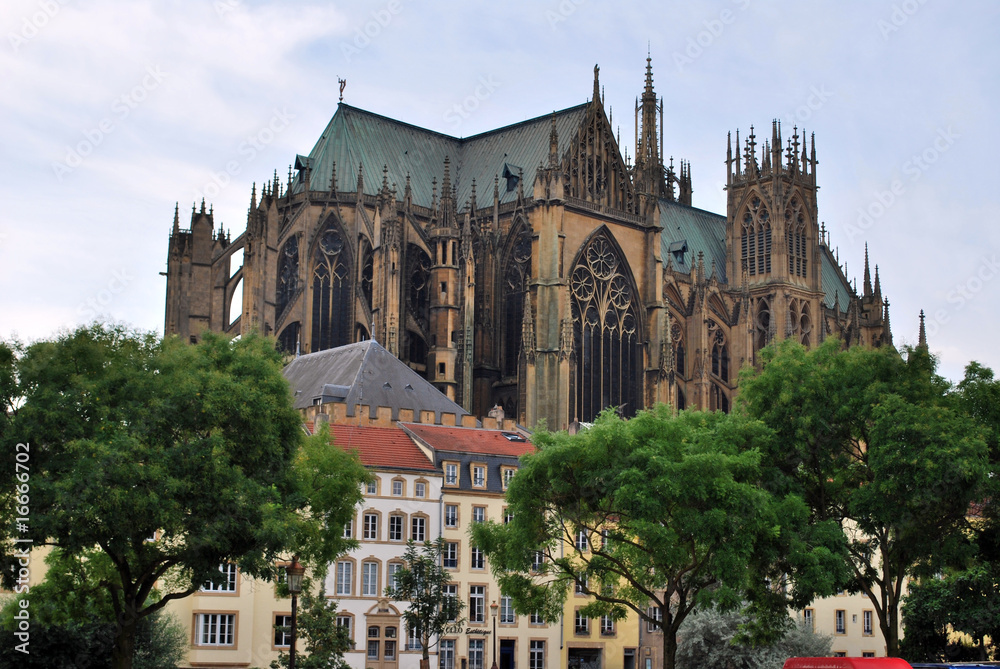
[{"x": 113, "y": 111}]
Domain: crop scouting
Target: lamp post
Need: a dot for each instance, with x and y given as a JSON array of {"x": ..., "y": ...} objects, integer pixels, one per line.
[
  {"x": 294, "y": 573},
  {"x": 493, "y": 612}
]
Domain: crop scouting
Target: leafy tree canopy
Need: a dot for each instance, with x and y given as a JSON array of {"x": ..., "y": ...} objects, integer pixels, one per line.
[
  {"x": 657, "y": 511},
  {"x": 874, "y": 442},
  {"x": 171, "y": 459}
]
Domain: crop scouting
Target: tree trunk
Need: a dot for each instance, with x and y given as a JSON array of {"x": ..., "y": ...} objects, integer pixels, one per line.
[
  {"x": 669, "y": 648},
  {"x": 125, "y": 636}
]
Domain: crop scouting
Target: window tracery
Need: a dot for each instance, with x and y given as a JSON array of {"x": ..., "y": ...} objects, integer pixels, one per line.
[
  {"x": 367, "y": 271},
  {"x": 763, "y": 332},
  {"x": 799, "y": 321},
  {"x": 418, "y": 274},
  {"x": 288, "y": 274},
  {"x": 795, "y": 226},
  {"x": 606, "y": 331},
  {"x": 515, "y": 284},
  {"x": 720, "y": 351},
  {"x": 331, "y": 325},
  {"x": 756, "y": 238}
]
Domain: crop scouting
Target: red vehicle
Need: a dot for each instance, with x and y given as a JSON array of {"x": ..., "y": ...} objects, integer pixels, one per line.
[{"x": 846, "y": 663}]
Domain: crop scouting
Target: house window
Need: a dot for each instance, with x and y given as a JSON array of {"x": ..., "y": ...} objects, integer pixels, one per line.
[
  {"x": 840, "y": 619},
  {"x": 867, "y": 653},
  {"x": 345, "y": 622},
  {"x": 372, "y": 487},
  {"x": 446, "y": 653},
  {"x": 478, "y": 514},
  {"x": 282, "y": 631},
  {"x": 374, "y": 634},
  {"x": 536, "y": 655},
  {"x": 451, "y": 515},
  {"x": 581, "y": 583},
  {"x": 370, "y": 529},
  {"x": 581, "y": 624},
  {"x": 476, "y": 653},
  {"x": 345, "y": 576},
  {"x": 866, "y": 618},
  {"x": 581, "y": 541},
  {"x": 477, "y": 603},
  {"x": 478, "y": 476},
  {"x": 807, "y": 619},
  {"x": 413, "y": 641},
  {"x": 840, "y": 653},
  {"x": 417, "y": 525},
  {"x": 394, "y": 567},
  {"x": 607, "y": 626},
  {"x": 349, "y": 529},
  {"x": 507, "y": 615},
  {"x": 536, "y": 561},
  {"x": 420, "y": 489},
  {"x": 655, "y": 614},
  {"x": 228, "y": 582},
  {"x": 451, "y": 590},
  {"x": 216, "y": 629},
  {"x": 450, "y": 473},
  {"x": 369, "y": 579},
  {"x": 397, "y": 488},
  {"x": 395, "y": 528},
  {"x": 449, "y": 558},
  {"x": 508, "y": 474},
  {"x": 478, "y": 561},
  {"x": 536, "y": 618}
]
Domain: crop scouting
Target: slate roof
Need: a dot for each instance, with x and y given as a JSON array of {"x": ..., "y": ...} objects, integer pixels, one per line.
[
  {"x": 358, "y": 137},
  {"x": 386, "y": 447},
  {"x": 364, "y": 373},
  {"x": 471, "y": 440},
  {"x": 701, "y": 230}
]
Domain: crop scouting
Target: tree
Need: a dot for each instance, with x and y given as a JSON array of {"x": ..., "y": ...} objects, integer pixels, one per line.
[
  {"x": 169, "y": 458},
  {"x": 872, "y": 441},
  {"x": 316, "y": 623},
  {"x": 657, "y": 511},
  {"x": 421, "y": 581},
  {"x": 709, "y": 638}
]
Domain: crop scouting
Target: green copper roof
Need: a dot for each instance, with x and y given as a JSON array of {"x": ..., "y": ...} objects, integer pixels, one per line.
[
  {"x": 355, "y": 137},
  {"x": 834, "y": 282},
  {"x": 701, "y": 230}
]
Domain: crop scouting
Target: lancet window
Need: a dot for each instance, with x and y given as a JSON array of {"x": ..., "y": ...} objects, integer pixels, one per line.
[
  {"x": 763, "y": 324},
  {"x": 799, "y": 321},
  {"x": 606, "y": 331},
  {"x": 418, "y": 274},
  {"x": 331, "y": 279},
  {"x": 755, "y": 242},
  {"x": 517, "y": 270},
  {"x": 288, "y": 274},
  {"x": 367, "y": 271},
  {"x": 720, "y": 351},
  {"x": 795, "y": 226}
]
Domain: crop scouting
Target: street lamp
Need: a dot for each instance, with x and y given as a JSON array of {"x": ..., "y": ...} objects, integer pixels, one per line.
[
  {"x": 294, "y": 573},
  {"x": 493, "y": 612}
]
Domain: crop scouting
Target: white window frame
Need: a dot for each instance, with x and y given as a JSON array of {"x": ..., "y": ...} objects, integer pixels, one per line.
[
  {"x": 478, "y": 476},
  {"x": 451, "y": 473},
  {"x": 231, "y": 572},
  {"x": 581, "y": 623},
  {"x": 344, "y": 585},
  {"x": 369, "y": 579},
  {"x": 451, "y": 590},
  {"x": 477, "y": 560},
  {"x": 216, "y": 629},
  {"x": 507, "y": 613},
  {"x": 451, "y": 515},
  {"x": 286, "y": 636},
  {"x": 449, "y": 556},
  {"x": 397, "y": 533},
  {"x": 536, "y": 654},
  {"x": 369, "y": 527},
  {"x": 478, "y": 514},
  {"x": 477, "y": 603},
  {"x": 420, "y": 489},
  {"x": 656, "y": 613},
  {"x": 447, "y": 654},
  {"x": 477, "y": 653},
  {"x": 421, "y": 522}
]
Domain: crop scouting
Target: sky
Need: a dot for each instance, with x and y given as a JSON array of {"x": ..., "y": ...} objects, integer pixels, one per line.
[{"x": 111, "y": 112}]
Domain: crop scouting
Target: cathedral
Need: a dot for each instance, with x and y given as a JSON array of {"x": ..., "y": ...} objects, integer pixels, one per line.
[{"x": 533, "y": 266}]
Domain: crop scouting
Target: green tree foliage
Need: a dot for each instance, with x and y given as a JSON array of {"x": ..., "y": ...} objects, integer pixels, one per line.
[
  {"x": 325, "y": 642},
  {"x": 873, "y": 442},
  {"x": 131, "y": 437},
  {"x": 710, "y": 638},
  {"x": 657, "y": 511},
  {"x": 966, "y": 602},
  {"x": 421, "y": 581}
]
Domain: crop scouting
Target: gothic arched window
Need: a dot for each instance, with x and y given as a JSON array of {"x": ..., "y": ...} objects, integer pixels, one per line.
[
  {"x": 331, "y": 316},
  {"x": 606, "y": 331},
  {"x": 288, "y": 274},
  {"x": 516, "y": 272},
  {"x": 367, "y": 271},
  {"x": 677, "y": 334},
  {"x": 795, "y": 226},
  {"x": 717, "y": 399},
  {"x": 418, "y": 276},
  {"x": 756, "y": 239},
  {"x": 762, "y": 324},
  {"x": 799, "y": 322},
  {"x": 288, "y": 340},
  {"x": 720, "y": 351}
]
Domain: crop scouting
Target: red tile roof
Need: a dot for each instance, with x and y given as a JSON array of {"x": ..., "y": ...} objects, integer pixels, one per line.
[
  {"x": 471, "y": 440},
  {"x": 381, "y": 446}
]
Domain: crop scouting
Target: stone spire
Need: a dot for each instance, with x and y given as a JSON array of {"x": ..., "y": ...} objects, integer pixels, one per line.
[{"x": 922, "y": 337}]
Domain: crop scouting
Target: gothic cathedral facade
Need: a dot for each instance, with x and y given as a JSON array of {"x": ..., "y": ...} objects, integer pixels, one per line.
[{"x": 533, "y": 266}]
